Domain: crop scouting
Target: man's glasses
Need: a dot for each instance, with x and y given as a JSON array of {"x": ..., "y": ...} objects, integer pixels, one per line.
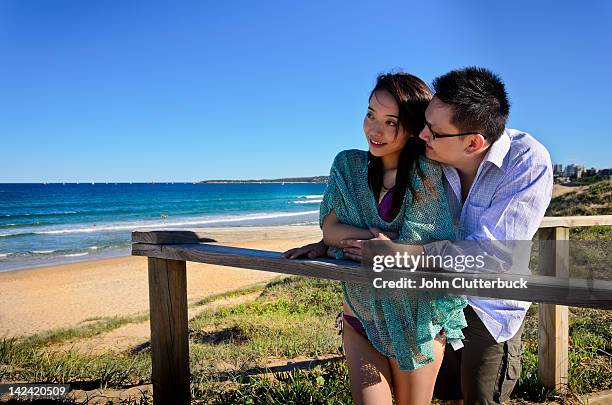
[{"x": 435, "y": 135}]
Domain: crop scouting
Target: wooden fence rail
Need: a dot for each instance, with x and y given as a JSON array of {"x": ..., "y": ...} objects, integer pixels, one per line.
[{"x": 168, "y": 252}]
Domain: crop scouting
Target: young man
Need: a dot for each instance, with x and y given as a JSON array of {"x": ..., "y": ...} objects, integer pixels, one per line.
[{"x": 499, "y": 183}]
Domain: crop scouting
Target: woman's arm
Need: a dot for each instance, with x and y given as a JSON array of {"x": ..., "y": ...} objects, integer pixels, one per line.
[{"x": 334, "y": 231}]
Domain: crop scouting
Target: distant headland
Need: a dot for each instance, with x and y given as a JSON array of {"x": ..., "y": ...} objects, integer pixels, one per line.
[{"x": 315, "y": 179}]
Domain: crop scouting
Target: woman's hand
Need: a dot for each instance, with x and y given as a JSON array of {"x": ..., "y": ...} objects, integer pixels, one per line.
[
  {"x": 311, "y": 251},
  {"x": 390, "y": 235},
  {"x": 353, "y": 247}
]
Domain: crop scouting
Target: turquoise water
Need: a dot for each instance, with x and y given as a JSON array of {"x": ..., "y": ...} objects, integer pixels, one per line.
[{"x": 44, "y": 224}]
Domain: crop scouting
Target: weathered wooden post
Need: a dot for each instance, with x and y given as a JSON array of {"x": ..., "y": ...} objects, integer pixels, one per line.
[
  {"x": 169, "y": 332},
  {"x": 553, "y": 326}
]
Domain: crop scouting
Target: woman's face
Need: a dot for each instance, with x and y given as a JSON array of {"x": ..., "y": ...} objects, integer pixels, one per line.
[{"x": 381, "y": 126}]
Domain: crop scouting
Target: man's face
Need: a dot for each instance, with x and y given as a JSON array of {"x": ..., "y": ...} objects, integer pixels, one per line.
[{"x": 450, "y": 151}]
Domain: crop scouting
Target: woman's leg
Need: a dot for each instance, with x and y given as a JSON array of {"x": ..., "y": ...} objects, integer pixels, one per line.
[
  {"x": 369, "y": 372},
  {"x": 415, "y": 387}
]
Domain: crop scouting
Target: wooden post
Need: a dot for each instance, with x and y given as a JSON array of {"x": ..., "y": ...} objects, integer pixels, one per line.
[
  {"x": 553, "y": 327},
  {"x": 169, "y": 333}
]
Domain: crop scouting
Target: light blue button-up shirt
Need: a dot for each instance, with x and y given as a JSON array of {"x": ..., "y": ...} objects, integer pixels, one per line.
[{"x": 507, "y": 201}]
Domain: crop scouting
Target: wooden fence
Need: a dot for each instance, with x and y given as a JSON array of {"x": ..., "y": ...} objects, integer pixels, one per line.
[{"x": 168, "y": 252}]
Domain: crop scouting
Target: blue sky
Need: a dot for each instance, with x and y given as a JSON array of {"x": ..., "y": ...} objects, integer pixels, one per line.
[{"x": 183, "y": 91}]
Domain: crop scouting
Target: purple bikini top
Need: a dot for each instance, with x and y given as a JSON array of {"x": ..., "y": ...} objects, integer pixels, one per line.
[{"x": 384, "y": 207}]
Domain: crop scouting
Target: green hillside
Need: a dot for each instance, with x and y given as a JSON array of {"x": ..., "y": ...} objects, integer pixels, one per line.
[{"x": 594, "y": 200}]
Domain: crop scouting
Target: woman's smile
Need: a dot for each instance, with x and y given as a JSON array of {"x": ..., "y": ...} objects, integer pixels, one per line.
[{"x": 376, "y": 144}]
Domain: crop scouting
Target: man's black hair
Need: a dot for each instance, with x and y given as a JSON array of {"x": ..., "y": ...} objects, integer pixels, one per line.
[{"x": 479, "y": 99}]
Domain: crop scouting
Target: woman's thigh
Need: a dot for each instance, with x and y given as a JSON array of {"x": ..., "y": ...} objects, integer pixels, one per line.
[
  {"x": 369, "y": 372},
  {"x": 415, "y": 387}
]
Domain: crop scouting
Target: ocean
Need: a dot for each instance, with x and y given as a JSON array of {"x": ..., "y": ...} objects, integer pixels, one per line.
[{"x": 42, "y": 224}]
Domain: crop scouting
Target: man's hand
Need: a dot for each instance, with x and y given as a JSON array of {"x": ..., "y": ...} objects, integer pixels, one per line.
[
  {"x": 353, "y": 247},
  {"x": 310, "y": 251}
]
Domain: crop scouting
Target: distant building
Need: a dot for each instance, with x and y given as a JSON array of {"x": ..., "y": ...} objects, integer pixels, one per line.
[
  {"x": 558, "y": 169},
  {"x": 574, "y": 171},
  {"x": 590, "y": 172}
]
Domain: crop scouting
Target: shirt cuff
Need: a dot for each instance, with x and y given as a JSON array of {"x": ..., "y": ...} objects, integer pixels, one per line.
[
  {"x": 435, "y": 248},
  {"x": 456, "y": 344}
]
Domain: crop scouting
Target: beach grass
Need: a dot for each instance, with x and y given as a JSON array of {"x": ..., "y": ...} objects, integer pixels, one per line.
[
  {"x": 21, "y": 361},
  {"x": 91, "y": 327},
  {"x": 596, "y": 199},
  {"x": 291, "y": 317},
  {"x": 590, "y": 361},
  {"x": 233, "y": 352},
  {"x": 249, "y": 289}
]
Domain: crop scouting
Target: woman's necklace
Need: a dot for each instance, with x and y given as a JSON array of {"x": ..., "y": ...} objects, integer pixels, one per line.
[{"x": 385, "y": 188}]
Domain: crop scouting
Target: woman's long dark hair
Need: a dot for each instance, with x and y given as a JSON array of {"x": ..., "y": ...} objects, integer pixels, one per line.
[{"x": 412, "y": 96}]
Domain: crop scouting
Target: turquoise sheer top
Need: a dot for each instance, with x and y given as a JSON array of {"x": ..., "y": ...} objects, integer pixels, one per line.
[{"x": 400, "y": 323}]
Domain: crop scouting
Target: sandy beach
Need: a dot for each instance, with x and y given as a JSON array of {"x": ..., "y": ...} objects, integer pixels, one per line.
[{"x": 45, "y": 298}]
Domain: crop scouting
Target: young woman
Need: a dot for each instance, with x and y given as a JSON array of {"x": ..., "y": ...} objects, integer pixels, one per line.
[{"x": 393, "y": 339}]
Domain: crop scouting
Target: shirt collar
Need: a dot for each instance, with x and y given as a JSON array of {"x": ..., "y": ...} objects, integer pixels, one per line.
[{"x": 498, "y": 151}]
